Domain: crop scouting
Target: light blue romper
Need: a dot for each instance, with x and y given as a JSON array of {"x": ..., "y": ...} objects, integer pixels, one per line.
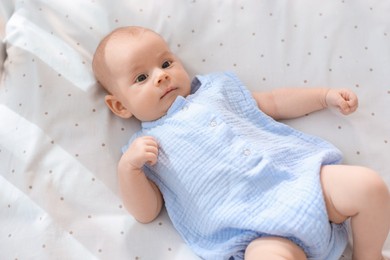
[{"x": 230, "y": 174}]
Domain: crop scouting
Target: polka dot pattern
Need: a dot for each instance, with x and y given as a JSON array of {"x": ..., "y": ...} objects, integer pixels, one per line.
[{"x": 59, "y": 144}]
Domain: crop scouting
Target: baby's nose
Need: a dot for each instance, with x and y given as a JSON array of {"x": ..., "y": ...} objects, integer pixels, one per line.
[{"x": 163, "y": 76}]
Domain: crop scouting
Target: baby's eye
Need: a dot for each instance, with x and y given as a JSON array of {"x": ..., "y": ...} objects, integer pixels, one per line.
[
  {"x": 141, "y": 78},
  {"x": 166, "y": 64}
]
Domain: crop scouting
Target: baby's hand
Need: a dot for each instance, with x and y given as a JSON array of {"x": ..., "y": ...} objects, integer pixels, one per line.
[
  {"x": 143, "y": 150},
  {"x": 343, "y": 99}
]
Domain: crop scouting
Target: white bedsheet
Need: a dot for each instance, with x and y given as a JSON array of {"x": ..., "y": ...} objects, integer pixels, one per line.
[{"x": 59, "y": 144}]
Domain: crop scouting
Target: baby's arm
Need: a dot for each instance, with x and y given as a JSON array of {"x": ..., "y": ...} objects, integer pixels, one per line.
[
  {"x": 141, "y": 196},
  {"x": 288, "y": 103}
]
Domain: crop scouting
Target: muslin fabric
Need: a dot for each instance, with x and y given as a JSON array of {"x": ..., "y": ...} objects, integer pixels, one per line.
[{"x": 230, "y": 174}]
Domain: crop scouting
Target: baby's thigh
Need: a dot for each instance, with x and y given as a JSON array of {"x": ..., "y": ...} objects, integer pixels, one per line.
[
  {"x": 346, "y": 188},
  {"x": 275, "y": 248}
]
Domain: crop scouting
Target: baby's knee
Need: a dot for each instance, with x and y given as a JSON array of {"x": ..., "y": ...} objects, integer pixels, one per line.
[
  {"x": 373, "y": 185},
  {"x": 374, "y": 190},
  {"x": 275, "y": 248}
]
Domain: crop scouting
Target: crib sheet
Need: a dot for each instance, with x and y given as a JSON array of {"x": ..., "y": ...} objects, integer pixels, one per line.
[{"x": 59, "y": 144}]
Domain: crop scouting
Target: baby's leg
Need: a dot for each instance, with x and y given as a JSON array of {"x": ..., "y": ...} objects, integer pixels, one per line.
[
  {"x": 275, "y": 248},
  {"x": 359, "y": 193}
]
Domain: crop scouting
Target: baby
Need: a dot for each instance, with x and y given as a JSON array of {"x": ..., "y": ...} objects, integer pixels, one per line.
[{"x": 236, "y": 183}]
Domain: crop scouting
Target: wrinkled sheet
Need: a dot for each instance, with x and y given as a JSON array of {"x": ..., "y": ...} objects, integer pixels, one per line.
[{"x": 59, "y": 144}]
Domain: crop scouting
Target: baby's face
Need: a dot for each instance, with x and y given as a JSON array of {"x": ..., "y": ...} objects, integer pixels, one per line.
[{"x": 146, "y": 76}]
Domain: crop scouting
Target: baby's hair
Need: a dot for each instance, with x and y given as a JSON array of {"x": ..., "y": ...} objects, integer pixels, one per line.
[{"x": 99, "y": 65}]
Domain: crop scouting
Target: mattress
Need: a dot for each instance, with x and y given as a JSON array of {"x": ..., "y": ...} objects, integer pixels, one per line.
[{"x": 59, "y": 143}]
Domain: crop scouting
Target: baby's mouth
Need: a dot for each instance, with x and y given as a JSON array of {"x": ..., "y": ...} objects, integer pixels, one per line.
[{"x": 167, "y": 91}]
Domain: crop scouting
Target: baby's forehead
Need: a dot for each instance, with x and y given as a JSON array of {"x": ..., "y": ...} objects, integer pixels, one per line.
[
  {"x": 121, "y": 39},
  {"x": 137, "y": 35},
  {"x": 147, "y": 41}
]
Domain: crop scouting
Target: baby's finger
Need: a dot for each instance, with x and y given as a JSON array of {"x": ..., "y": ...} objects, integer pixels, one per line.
[
  {"x": 151, "y": 158},
  {"x": 344, "y": 107},
  {"x": 150, "y": 140},
  {"x": 152, "y": 149},
  {"x": 353, "y": 104}
]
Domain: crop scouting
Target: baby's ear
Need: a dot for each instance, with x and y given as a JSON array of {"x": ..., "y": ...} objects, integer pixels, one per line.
[{"x": 116, "y": 107}]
